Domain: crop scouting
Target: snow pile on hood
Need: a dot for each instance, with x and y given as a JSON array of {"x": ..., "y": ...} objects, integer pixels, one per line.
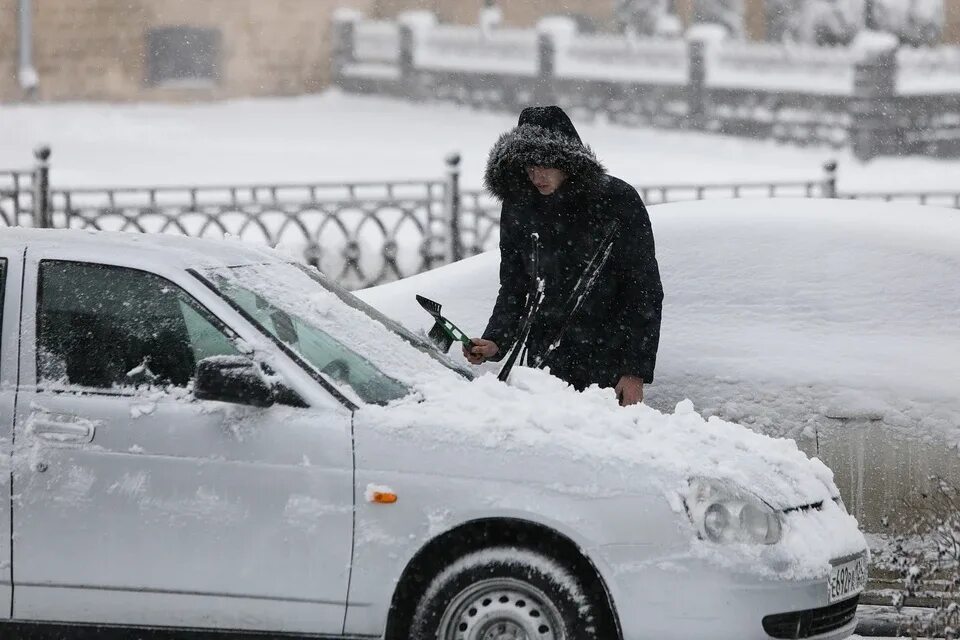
[{"x": 538, "y": 412}]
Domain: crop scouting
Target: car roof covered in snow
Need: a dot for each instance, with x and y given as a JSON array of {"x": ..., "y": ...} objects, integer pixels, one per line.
[{"x": 169, "y": 250}]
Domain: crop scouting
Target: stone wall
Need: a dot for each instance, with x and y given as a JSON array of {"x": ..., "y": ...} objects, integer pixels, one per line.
[
  {"x": 97, "y": 49},
  {"x": 9, "y": 87},
  {"x": 951, "y": 27}
]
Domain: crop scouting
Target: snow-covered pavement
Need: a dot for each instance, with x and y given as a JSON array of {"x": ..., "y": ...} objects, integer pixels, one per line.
[{"x": 335, "y": 137}]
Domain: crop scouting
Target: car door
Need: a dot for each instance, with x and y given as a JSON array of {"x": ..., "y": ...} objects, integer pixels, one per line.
[
  {"x": 11, "y": 260},
  {"x": 138, "y": 504}
]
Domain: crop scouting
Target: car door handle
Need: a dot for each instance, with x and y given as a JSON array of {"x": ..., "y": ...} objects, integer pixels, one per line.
[{"x": 66, "y": 429}]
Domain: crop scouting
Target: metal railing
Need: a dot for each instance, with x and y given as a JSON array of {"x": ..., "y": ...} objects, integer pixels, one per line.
[
  {"x": 949, "y": 199},
  {"x": 479, "y": 213},
  {"x": 16, "y": 197},
  {"x": 360, "y": 233}
]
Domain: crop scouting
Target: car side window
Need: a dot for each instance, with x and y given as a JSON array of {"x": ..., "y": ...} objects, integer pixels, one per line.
[{"x": 107, "y": 327}]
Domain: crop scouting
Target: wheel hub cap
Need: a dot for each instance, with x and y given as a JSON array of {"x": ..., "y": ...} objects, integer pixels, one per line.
[{"x": 501, "y": 609}]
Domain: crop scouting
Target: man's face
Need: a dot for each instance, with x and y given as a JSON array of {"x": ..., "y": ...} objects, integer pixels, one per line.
[{"x": 546, "y": 180}]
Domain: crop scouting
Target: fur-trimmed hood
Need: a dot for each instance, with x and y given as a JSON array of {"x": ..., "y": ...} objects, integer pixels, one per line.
[{"x": 544, "y": 137}]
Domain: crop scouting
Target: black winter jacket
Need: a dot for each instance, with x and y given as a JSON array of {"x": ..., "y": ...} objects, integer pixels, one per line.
[{"x": 616, "y": 331}]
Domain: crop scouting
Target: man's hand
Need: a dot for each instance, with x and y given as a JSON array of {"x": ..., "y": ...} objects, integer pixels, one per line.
[
  {"x": 629, "y": 390},
  {"x": 481, "y": 351}
]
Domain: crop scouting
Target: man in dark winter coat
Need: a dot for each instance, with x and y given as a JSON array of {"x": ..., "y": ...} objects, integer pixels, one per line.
[{"x": 552, "y": 185}]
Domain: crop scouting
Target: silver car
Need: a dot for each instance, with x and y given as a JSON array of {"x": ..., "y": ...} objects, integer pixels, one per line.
[{"x": 205, "y": 435}]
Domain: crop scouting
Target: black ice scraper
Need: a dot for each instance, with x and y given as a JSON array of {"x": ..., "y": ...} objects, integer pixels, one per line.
[{"x": 444, "y": 333}]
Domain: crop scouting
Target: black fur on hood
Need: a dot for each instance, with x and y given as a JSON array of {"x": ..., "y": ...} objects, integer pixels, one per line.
[{"x": 544, "y": 137}]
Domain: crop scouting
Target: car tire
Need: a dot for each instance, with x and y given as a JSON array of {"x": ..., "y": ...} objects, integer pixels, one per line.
[{"x": 504, "y": 592}]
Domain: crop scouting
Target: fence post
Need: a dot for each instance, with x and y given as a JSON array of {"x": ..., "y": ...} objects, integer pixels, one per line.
[
  {"x": 407, "y": 69},
  {"x": 453, "y": 207},
  {"x": 42, "y": 217},
  {"x": 344, "y": 42},
  {"x": 702, "y": 39},
  {"x": 697, "y": 84},
  {"x": 830, "y": 179},
  {"x": 873, "y": 115},
  {"x": 413, "y": 26},
  {"x": 545, "y": 92}
]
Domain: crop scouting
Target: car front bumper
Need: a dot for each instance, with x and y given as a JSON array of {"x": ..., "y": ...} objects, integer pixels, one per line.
[{"x": 690, "y": 598}]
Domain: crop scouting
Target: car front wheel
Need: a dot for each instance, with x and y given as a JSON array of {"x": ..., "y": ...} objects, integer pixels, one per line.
[{"x": 504, "y": 593}]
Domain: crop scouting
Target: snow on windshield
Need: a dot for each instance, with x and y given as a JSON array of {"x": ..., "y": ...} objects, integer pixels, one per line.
[{"x": 363, "y": 341}]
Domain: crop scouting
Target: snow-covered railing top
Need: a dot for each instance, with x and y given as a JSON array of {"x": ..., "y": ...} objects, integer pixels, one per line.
[
  {"x": 865, "y": 94},
  {"x": 377, "y": 50},
  {"x": 779, "y": 67},
  {"x": 471, "y": 49},
  {"x": 928, "y": 71},
  {"x": 615, "y": 58},
  {"x": 376, "y": 41}
]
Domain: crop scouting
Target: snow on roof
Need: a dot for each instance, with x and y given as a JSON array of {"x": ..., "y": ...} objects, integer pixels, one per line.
[{"x": 166, "y": 249}]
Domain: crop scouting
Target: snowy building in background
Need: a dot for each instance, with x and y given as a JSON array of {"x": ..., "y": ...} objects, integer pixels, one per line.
[
  {"x": 914, "y": 22},
  {"x": 168, "y": 49},
  {"x": 642, "y": 17},
  {"x": 176, "y": 50},
  {"x": 836, "y": 22},
  {"x": 729, "y": 14}
]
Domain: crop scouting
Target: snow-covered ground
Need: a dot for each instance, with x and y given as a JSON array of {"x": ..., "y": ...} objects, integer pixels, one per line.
[
  {"x": 334, "y": 137},
  {"x": 830, "y": 322}
]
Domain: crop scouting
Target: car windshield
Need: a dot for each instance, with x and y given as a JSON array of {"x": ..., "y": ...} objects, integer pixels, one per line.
[{"x": 300, "y": 308}]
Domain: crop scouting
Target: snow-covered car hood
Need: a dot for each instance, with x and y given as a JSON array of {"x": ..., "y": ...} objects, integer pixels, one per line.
[{"x": 540, "y": 417}]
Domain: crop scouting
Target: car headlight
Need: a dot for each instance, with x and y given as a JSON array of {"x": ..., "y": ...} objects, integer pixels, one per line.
[
  {"x": 840, "y": 503},
  {"x": 724, "y": 512}
]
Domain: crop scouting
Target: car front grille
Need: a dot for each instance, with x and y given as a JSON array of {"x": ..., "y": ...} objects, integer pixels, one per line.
[{"x": 812, "y": 622}]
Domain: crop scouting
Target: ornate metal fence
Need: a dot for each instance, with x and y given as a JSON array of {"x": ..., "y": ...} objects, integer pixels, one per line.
[
  {"x": 361, "y": 233},
  {"x": 16, "y": 197},
  {"x": 479, "y": 213}
]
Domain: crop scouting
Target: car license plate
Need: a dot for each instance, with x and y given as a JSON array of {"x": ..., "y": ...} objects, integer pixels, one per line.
[{"x": 848, "y": 579}]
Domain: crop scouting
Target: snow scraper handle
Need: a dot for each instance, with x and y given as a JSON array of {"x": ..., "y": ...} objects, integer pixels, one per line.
[
  {"x": 443, "y": 333},
  {"x": 534, "y": 300}
]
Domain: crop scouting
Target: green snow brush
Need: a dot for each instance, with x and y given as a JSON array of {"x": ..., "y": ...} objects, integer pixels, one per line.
[{"x": 444, "y": 333}]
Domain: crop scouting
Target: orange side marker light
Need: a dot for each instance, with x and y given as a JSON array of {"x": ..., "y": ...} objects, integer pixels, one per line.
[
  {"x": 378, "y": 494},
  {"x": 382, "y": 497}
]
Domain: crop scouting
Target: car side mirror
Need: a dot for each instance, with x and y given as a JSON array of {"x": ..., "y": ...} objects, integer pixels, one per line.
[{"x": 233, "y": 379}]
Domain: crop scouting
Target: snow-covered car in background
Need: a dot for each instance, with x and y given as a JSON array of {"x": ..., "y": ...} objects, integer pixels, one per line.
[
  {"x": 205, "y": 435},
  {"x": 830, "y": 322}
]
